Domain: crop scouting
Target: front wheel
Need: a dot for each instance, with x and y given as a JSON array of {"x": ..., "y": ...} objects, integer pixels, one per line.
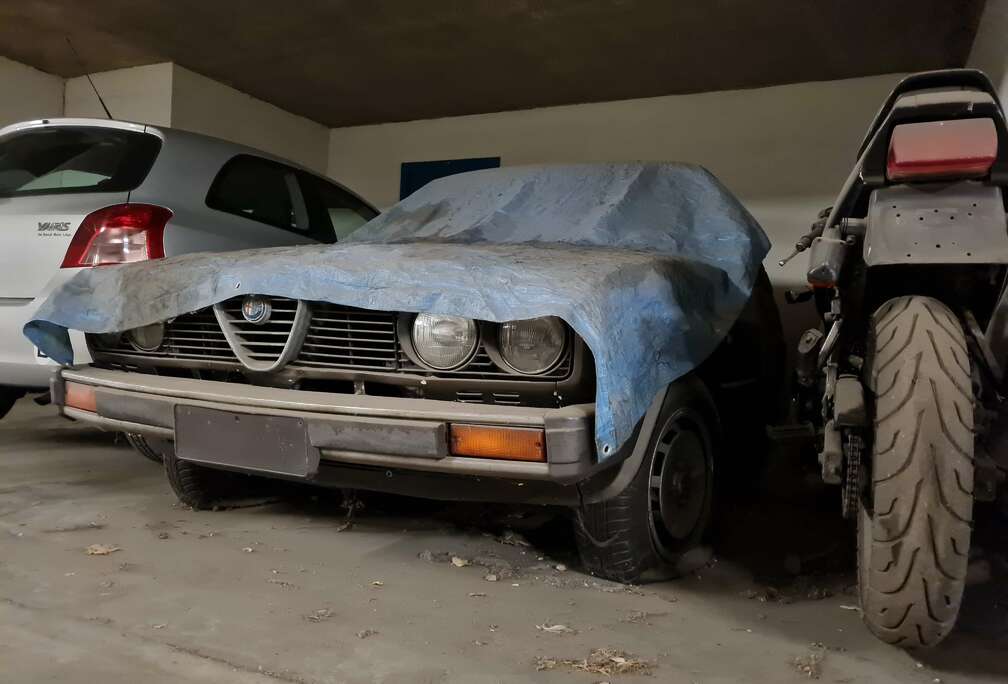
[
  {"x": 152, "y": 450},
  {"x": 665, "y": 510},
  {"x": 916, "y": 515},
  {"x": 201, "y": 487}
]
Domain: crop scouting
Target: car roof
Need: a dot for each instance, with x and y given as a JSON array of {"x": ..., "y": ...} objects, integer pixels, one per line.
[
  {"x": 219, "y": 149},
  {"x": 166, "y": 133}
]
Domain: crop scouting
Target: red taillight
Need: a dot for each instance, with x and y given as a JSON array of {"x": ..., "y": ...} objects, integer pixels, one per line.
[
  {"x": 119, "y": 234},
  {"x": 961, "y": 148}
]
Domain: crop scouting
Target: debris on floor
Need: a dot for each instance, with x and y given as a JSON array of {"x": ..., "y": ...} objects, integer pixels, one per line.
[
  {"x": 281, "y": 583},
  {"x": 101, "y": 549},
  {"x": 810, "y": 665},
  {"x": 555, "y": 629},
  {"x": 513, "y": 538},
  {"x": 460, "y": 562},
  {"x": 365, "y": 633},
  {"x": 320, "y": 615},
  {"x": 602, "y": 661},
  {"x": 432, "y": 557},
  {"x": 75, "y": 528},
  {"x": 640, "y": 617}
]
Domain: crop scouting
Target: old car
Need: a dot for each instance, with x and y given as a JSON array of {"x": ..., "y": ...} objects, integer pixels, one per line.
[{"x": 601, "y": 337}]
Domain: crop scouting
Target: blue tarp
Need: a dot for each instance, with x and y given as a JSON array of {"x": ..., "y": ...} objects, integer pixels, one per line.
[{"x": 650, "y": 263}]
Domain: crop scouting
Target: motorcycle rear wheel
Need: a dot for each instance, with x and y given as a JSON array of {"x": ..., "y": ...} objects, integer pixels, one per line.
[{"x": 915, "y": 520}]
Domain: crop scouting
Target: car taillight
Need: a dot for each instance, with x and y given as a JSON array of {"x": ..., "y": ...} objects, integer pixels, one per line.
[
  {"x": 960, "y": 148},
  {"x": 120, "y": 234}
]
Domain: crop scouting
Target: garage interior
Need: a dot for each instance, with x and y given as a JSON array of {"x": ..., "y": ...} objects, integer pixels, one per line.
[{"x": 771, "y": 97}]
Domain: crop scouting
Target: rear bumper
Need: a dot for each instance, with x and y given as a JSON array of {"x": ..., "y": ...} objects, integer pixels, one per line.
[
  {"x": 20, "y": 363},
  {"x": 392, "y": 434}
]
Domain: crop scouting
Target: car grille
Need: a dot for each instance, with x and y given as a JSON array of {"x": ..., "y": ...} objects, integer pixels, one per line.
[
  {"x": 345, "y": 337},
  {"x": 337, "y": 337},
  {"x": 262, "y": 341},
  {"x": 194, "y": 336}
]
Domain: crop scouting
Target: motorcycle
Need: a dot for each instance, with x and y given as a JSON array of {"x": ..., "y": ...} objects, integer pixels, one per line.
[{"x": 904, "y": 383}]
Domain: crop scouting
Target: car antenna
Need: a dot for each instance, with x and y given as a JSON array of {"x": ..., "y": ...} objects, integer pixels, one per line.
[{"x": 80, "y": 62}]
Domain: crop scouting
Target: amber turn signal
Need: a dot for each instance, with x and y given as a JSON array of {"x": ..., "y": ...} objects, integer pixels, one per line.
[
  {"x": 81, "y": 397},
  {"x": 507, "y": 443}
]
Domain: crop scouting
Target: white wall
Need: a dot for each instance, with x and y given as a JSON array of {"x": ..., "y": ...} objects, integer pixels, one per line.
[
  {"x": 28, "y": 93},
  {"x": 142, "y": 94},
  {"x": 203, "y": 105}
]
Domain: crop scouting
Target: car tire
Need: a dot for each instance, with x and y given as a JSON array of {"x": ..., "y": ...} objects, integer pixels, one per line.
[
  {"x": 665, "y": 510},
  {"x": 915, "y": 522},
  {"x": 145, "y": 448},
  {"x": 200, "y": 487}
]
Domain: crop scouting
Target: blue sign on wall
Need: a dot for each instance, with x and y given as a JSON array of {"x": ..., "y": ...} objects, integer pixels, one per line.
[{"x": 415, "y": 175}]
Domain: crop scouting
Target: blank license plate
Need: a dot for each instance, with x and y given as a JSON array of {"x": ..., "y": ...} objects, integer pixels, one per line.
[{"x": 276, "y": 445}]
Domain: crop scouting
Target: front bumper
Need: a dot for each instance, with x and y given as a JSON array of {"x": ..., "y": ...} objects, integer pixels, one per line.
[{"x": 369, "y": 431}]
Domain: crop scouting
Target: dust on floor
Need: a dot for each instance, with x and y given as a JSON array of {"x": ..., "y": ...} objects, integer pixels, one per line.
[{"x": 105, "y": 578}]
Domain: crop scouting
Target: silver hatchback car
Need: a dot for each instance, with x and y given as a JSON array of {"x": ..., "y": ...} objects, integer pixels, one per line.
[{"x": 85, "y": 193}]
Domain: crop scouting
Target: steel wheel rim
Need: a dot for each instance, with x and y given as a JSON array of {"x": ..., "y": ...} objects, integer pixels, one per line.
[{"x": 679, "y": 482}]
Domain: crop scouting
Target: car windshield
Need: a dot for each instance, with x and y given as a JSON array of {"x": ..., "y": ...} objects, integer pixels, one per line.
[{"x": 74, "y": 159}]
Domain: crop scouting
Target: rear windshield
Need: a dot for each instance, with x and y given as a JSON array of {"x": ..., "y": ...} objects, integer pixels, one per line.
[{"x": 75, "y": 159}]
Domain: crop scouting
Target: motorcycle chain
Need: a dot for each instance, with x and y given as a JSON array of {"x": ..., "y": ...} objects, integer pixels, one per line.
[{"x": 851, "y": 494}]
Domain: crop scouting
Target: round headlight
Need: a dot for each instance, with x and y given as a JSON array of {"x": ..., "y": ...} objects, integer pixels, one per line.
[
  {"x": 147, "y": 338},
  {"x": 533, "y": 345},
  {"x": 444, "y": 342}
]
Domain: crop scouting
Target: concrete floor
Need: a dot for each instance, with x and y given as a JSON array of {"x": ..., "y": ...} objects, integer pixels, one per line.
[{"x": 280, "y": 592}]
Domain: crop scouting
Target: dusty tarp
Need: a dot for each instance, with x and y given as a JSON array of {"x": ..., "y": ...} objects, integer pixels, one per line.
[{"x": 650, "y": 263}]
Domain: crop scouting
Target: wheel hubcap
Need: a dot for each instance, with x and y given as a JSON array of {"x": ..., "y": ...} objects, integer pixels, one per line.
[{"x": 679, "y": 483}]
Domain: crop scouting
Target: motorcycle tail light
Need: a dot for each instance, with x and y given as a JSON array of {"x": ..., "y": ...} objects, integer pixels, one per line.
[{"x": 960, "y": 148}]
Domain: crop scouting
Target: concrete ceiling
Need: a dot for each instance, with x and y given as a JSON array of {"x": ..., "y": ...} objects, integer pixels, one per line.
[{"x": 345, "y": 62}]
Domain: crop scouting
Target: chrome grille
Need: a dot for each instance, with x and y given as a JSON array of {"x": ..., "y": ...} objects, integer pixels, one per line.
[
  {"x": 259, "y": 344},
  {"x": 195, "y": 336},
  {"x": 505, "y": 398},
  {"x": 336, "y": 337},
  {"x": 346, "y": 337}
]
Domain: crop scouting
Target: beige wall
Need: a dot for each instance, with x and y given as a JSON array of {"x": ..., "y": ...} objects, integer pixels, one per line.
[
  {"x": 203, "y": 105},
  {"x": 142, "y": 94},
  {"x": 989, "y": 51},
  {"x": 784, "y": 151},
  {"x": 781, "y": 141},
  {"x": 28, "y": 93}
]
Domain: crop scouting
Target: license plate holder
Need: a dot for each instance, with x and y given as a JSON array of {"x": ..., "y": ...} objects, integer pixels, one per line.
[{"x": 272, "y": 445}]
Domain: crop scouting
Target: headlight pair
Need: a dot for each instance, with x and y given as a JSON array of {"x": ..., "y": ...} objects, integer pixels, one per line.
[{"x": 530, "y": 346}]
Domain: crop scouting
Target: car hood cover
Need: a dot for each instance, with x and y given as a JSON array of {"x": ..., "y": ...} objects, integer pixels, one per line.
[{"x": 650, "y": 263}]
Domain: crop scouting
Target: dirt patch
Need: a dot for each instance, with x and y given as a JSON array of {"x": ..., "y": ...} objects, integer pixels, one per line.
[{"x": 600, "y": 661}]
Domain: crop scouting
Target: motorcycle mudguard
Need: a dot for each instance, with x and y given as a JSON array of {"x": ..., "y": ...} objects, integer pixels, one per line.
[{"x": 961, "y": 222}]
